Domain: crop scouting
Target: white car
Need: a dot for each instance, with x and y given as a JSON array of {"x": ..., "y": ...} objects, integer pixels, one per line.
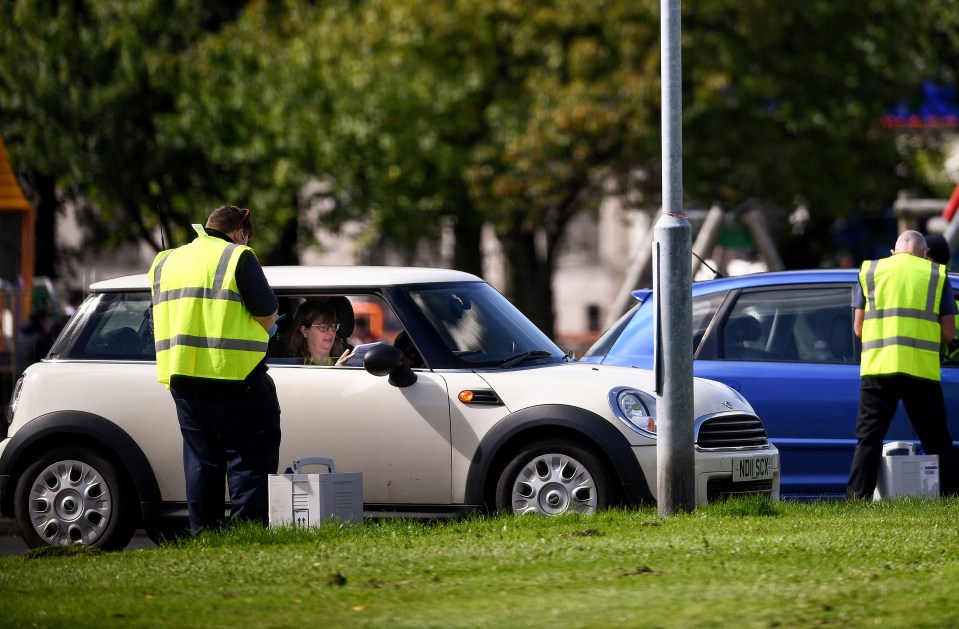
[{"x": 479, "y": 410}]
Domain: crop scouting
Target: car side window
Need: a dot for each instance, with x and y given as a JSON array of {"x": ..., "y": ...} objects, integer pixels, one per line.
[
  {"x": 704, "y": 310},
  {"x": 360, "y": 320},
  {"x": 810, "y": 325},
  {"x": 117, "y": 327}
]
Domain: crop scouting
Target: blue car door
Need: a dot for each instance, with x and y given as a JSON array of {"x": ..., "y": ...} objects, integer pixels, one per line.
[{"x": 790, "y": 350}]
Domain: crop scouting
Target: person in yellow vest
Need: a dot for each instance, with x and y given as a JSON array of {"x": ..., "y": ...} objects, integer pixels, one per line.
[
  {"x": 213, "y": 315},
  {"x": 903, "y": 309}
]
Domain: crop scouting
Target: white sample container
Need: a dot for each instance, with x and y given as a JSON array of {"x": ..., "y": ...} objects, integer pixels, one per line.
[
  {"x": 307, "y": 500},
  {"x": 904, "y": 473}
]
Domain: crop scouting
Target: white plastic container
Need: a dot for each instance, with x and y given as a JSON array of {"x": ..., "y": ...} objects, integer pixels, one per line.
[
  {"x": 904, "y": 473},
  {"x": 307, "y": 500}
]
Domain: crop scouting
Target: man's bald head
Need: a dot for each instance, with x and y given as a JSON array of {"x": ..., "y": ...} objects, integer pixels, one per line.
[{"x": 911, "y": 241}]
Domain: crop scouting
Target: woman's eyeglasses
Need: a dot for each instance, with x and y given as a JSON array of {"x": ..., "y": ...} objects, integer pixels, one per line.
[{"x": 325, "y": 327}]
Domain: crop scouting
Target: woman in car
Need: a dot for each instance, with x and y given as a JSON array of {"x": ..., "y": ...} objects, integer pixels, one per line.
[{"x": 314, "y": 338}]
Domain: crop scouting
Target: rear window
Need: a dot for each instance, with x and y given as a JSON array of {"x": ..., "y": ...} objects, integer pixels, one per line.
[{"x": 109, "y": 326}]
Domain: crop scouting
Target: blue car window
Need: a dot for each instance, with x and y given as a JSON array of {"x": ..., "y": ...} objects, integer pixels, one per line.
[
  {"x": 794, "y": 325},
  {"x": 704, "y": 310}
]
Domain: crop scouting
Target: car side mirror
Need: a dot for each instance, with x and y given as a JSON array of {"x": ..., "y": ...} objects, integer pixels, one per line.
[{"x": 386, "y": 360}]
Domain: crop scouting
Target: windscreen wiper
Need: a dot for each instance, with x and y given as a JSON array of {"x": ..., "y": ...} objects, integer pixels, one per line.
[{"x": 524, "y": 356}]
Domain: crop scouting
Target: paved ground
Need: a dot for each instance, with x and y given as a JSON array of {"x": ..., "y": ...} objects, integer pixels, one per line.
[{"x": 12, "y": 544}]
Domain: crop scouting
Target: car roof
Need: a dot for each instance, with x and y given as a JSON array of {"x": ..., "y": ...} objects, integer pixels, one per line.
[
  {"x": 774, "y": 278},
  {"x": 297, "y": 277}
]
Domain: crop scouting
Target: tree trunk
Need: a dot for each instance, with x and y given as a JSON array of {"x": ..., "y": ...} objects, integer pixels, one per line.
[
  {"x": 285, "y": 251},
  {"x": 529, "y": 277},
  {"x": 45, "y": 246},
  {"x": 467, "y": 253}
]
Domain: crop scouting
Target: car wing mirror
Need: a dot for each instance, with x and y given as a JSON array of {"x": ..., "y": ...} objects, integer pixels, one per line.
[{"x": 386, "y": 360}]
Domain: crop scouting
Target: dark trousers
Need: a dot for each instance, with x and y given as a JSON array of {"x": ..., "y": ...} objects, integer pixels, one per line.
[
  {"x": 232, "y": 434},
  {"x": 879, "y": 397}
]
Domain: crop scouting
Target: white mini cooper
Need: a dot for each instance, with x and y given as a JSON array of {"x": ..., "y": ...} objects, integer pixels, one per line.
[{"x": 462, "y": 405}]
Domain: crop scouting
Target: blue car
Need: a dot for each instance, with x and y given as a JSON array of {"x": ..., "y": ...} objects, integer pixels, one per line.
[{"x": 785, "y": 341}]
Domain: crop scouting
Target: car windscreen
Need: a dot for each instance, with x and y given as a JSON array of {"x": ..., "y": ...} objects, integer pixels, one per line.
[{"x": 481, "y": 328}]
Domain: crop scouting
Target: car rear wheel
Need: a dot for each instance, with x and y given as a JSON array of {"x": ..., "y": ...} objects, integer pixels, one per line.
[
  {"x": 74, "y": 495},
  {"x": 550, "y": 477}
]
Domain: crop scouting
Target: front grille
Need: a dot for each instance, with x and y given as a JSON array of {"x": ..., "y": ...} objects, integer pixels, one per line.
[
  {"x": 725, "y": 432},
  {"x": 721, "y": 488}
]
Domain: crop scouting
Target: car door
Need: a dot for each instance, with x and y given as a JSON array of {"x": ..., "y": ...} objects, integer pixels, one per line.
[
  {"x": 791, "y": 352},
  {"x": 399, "y": 438},
  {"x": 950, "y": 382}
]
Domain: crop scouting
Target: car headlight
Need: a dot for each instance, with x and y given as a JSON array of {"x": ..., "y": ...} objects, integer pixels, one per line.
[
  {"x": 635, "y": 408},
  {"x": 11, "y": 409}
]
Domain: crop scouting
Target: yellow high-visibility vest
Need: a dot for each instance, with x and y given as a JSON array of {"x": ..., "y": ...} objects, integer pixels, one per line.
[
  {"x": 200, "y": 324},
  {"x": 901, "y": 331}
]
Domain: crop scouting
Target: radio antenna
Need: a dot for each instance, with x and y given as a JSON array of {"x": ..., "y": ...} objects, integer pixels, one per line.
[
  {"x": 160, "y": 222},
  {"x": 716, "y": 274}
]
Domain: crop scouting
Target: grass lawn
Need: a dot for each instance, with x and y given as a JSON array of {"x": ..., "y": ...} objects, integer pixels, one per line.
[{"x": 746, "y": 563}]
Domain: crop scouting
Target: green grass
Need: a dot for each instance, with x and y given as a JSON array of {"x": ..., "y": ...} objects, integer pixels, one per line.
[{"x": 746, "y": 563}]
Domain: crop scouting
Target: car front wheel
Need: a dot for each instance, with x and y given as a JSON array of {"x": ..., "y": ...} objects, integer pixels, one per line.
[
  {"x": 550, "y": 477},
  {"x": 74, "y": 495}
]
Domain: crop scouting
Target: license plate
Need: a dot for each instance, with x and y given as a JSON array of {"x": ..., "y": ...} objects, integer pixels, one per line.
[{"x": 752, "y": 468}]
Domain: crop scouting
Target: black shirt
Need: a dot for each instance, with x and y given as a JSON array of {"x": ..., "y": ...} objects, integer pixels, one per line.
[{"x": 257, "y": 295}]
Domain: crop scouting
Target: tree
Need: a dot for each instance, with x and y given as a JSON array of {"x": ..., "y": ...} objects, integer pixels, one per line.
[
  {"x": 83, "y": 88},
  {"x": 414, "y": 112},
  {"x": 493, "y": 112},
  {"x": 782, "y": 108},
  {"x": 523, "y": 115}
]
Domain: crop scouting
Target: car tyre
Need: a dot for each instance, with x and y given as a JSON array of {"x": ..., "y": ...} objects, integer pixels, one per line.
[
  {"x": 75, "y": 495},
  {"x": 551, "y": 477}
]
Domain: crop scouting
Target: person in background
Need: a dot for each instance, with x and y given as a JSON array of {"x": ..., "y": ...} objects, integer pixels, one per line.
[
  {"x": 939, "y": 252},
  {"x": 213, "y": 315},
  {"x": 937, "y": 249},
  {"x": 314, "y": 339},
  {"x": 361, "y": 332},
  {"x": 904, "y": 307},
  {"x": 34, "y": 339}
]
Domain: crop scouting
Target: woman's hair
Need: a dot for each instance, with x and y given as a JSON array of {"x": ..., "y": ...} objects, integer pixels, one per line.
[{"x": 310, "y": 312}]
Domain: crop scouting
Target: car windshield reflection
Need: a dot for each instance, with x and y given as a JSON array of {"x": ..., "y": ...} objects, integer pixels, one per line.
[{"x": 482, "y": 329}]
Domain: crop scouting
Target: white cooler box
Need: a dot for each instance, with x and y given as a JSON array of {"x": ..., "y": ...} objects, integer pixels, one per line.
[
  {"x": 904, "y": 473},
  {"x": 311, "y": 499}
]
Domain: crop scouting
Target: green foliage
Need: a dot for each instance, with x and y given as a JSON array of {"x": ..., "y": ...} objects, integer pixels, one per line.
[
  {"x": 234, "y": 95},
  {"x": 744, "y": 506},
  {"x": 80, "y": 99},
  {"x": 891, "y": 563},
  {"x": 68, "y": 550},
  {"x": 783, "y": 102},
  {"x": 411, "y": 114},
  {"x": 493, "y": 112}
]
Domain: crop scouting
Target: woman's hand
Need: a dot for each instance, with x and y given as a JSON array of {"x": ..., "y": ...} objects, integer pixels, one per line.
[{"x": 345, "y": 356}]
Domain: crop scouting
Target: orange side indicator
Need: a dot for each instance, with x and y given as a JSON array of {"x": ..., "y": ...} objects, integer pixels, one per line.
[{"x": 466, "y": 397}]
